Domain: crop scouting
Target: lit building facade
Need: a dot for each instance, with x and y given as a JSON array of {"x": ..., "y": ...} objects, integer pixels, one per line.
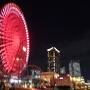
[
  {"x": 53, "y": 60},
  {"x": 34, "y": 71},
  {"x": 74, "y": 68},
  {"x": 62, "y": 70}
]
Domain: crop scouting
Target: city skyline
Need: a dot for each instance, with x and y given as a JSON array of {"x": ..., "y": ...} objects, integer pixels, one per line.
[{"x": 63, "y": 25}]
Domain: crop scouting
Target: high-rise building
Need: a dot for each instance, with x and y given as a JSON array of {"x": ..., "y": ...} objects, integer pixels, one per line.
[
  {"x": 74, "y": 68},
  {"x": 62, "y": 70},
  {"x": 53, "y": 60}
]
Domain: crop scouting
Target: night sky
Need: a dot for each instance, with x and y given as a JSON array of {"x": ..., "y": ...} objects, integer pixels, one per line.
[{"x": 65, "y": 25}]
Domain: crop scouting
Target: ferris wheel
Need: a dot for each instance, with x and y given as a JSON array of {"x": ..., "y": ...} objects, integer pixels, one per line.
[{"x": 14, "y": 40}]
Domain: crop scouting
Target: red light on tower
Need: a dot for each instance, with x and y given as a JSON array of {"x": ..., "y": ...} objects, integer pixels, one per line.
[{"x": 14, "y": 39}]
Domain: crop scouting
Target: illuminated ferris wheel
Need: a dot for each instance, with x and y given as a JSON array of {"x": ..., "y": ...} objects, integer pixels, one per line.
[{"x": 14, "y": 40}]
